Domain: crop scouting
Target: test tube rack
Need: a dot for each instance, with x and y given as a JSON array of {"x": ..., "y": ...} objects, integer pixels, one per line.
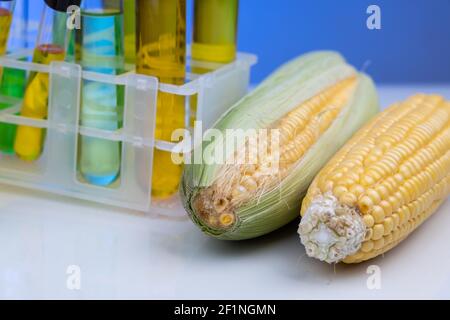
[{"x": 56, "y": 169}]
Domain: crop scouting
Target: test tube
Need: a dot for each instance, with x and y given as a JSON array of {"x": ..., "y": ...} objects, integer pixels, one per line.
[
  {"x": 6, "y": 14},
  {"x": 215, "y": 29},
  {"x": 161, "y": 52},
  {"x": 29, "y": 140},
  {"x": 10, "y": 79},
  {"x": 214, "y": 37},
  {"x": 101, "y": 43},
  {"x": 129, "y": 10}
]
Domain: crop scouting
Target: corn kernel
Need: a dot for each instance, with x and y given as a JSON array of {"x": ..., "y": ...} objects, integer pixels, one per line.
[
  {"x": 378, "y": 214},
  {"x": 357, "y": 189},
  {"x": 369, "y": 221},
  {"x": 348, "y": 199},
  {"x": 388, "y": 225},
  {"x": 378, "y": 231},
  {"x": 365, "y": 204},
  {"x": 378, "y": 244},
  {"x": 367, "y": 246}
]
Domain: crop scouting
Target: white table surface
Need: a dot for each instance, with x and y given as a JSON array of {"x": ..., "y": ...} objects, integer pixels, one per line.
[{"x": 125, "y": 254}]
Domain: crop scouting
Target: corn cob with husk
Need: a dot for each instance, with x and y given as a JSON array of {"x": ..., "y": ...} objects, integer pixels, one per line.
[
  {"x": 310, "y": 107},
  {"x": 387, "y": 180}
]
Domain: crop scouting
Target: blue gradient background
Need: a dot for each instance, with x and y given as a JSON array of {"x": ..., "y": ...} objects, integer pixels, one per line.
[{"x": 413, "y": 45}]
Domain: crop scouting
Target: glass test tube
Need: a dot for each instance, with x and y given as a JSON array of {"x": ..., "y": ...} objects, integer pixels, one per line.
[
  {"x": 11, "y": 80},
  {"x": 100, "y": 48},
  {"x": 214, "y": 36},
  {"x": 161, "y": 52},
  {"x": 129, "y": 10},
  {"x": 215, "y": 29},
  {"x": 6, "y": 14},
  {"x": 29, "y": 140}
]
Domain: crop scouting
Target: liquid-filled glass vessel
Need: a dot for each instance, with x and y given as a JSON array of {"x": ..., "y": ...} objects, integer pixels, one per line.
[
  {"x": 11, "y": 80},
  {"x": 214, "y": 36},
  {"x": 129, "y": 11},
  {"x": 215, "y": 30},
  {"x": 6, "y": 14},
  {"x": 99, "y": 47},
  {"x": 29, "y": 141}
]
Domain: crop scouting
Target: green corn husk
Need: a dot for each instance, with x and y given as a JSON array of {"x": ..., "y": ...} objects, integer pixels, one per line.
[{"x": 289, "y": 86}]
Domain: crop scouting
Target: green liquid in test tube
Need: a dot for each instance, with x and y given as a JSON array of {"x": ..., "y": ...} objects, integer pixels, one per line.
[
  {"x": 12, "y": 81},
  {"x": 12, "y": 85}
]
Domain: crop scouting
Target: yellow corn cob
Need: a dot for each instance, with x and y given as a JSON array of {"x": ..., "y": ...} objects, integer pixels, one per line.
[
  {"x": 306, "y": 110},
  {"x": 298, "y": 131},
  {"x": 391, "y": 176}
]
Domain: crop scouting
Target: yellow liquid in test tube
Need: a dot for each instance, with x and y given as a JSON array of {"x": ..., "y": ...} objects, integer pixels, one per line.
[
  {"x": 214, "y": 36},
  {"x": 161, "y": 42},
  {"x": 215, "y": 30},
  {"x": 29, "y": 140},
  {"x": 129, "y": 28}
]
